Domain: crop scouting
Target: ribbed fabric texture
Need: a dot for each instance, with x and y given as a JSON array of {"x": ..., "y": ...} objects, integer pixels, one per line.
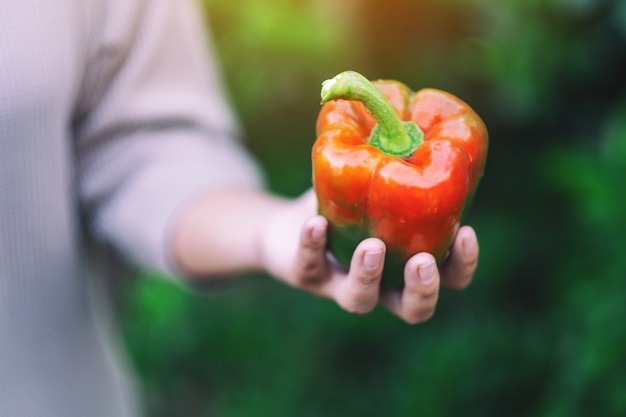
[{"x": 110, "y": 112}]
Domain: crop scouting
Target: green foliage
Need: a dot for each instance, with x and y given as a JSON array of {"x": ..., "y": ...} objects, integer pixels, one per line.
[
  {"x": 591, "y": 361},
  {"x": 539, "y": 331},
  {"x": 269, "y": 50}
]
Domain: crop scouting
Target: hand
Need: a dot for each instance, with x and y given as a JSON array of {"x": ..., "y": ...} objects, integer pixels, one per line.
[{"x": 297, "y": 254}]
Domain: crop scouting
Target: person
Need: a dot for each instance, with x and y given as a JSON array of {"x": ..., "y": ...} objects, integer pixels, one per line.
[{"x": 114, "y": 134}]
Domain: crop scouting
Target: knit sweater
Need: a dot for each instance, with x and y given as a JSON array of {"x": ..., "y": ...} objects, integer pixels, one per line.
[{"x": 111, "y": 118}]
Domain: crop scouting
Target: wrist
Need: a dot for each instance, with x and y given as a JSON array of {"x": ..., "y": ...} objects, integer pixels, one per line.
[{"x": 220, "y": 233}]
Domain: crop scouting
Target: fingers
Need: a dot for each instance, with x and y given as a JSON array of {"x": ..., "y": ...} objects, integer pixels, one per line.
[
  {"x": 359, "y": 292},
  {"x": 356, "y": 291},
  {"x": 416, "y": 302},
  {"x": 459, "y": 268},
  {"x": 310, "y": 265}
]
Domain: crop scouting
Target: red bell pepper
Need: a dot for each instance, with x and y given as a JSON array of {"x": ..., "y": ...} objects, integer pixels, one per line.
[{"x": 396, "y": 165}]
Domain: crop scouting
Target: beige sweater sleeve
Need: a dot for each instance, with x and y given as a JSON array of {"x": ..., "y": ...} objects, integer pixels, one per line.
[{"x": 152, "y": 126}]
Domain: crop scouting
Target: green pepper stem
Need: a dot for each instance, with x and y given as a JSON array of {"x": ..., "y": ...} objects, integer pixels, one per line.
[{"x": 391, "y": 135}]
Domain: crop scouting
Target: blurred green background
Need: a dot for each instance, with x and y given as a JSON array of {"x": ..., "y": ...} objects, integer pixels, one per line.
[{"x": 538, "y": 333}]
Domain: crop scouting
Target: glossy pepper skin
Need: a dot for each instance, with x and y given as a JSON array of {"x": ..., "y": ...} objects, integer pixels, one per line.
[{"x": 413, "y": 203}]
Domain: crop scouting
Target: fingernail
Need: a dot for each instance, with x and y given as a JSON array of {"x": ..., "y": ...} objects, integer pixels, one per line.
[
  {"x": 469, "y": 246},
  {"x": 317, "y": 233},
  {"x": 372, "y": 259},
  {"x": 426, "y": 272}
]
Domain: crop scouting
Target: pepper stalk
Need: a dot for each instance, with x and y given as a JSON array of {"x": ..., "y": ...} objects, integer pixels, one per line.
[{"x": 390, "y": 135}]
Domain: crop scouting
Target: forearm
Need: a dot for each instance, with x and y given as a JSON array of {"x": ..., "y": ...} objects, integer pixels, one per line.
[{"x": 218, "y": 233}]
